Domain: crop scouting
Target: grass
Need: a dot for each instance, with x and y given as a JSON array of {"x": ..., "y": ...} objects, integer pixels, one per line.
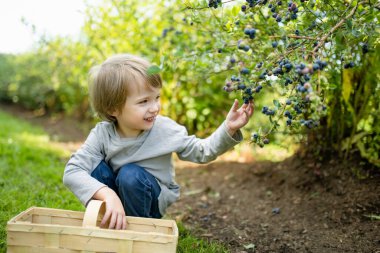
[{"x": 31, "y": 169}]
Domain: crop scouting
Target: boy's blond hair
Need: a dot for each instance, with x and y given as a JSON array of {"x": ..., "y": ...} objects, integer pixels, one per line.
[{"x": 110, "y": 82}]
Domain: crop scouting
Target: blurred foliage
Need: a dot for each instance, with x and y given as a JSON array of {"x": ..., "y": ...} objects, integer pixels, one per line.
[
  {"x": 353, "y": 122},
  {"x": 199, "y": 49}
]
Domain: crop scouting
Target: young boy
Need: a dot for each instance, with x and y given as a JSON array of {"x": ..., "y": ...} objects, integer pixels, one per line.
[{"x": 126, "y": 159}]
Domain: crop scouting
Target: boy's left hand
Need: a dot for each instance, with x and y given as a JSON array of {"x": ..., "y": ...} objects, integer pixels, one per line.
[{"x": 238, "y": 117}]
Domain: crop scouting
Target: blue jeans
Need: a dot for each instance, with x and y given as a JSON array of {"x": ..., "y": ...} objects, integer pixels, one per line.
[{"x": 137, "y": 189}]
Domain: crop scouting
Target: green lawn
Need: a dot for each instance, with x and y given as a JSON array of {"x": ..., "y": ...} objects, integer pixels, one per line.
[{"x": 31, "y": 169}]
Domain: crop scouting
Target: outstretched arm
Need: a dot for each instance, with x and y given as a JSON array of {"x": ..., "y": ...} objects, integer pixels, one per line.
[
  {"x": 238, "y": 117},
  {"x": 226, "y": 136}
]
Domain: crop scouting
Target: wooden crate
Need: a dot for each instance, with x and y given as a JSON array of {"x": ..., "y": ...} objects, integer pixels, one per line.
[{"x": 62, "y": 231}]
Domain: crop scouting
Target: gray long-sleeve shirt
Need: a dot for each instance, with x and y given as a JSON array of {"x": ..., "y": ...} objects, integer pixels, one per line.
[{"x": 151, "y": 150}]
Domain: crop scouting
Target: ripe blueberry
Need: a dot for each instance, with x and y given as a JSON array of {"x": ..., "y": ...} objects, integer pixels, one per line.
[
  {"x": 349, "y": 65},
  {"x": 244, "y": 71},
  {"x": 241, "y": 86},
  {"x": 365, "y": 48}
]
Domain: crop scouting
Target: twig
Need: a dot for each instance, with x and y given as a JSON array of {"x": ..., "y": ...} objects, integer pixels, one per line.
[
  {"x": 307, "y": 9},
  {"x": 294, "y": 37},
  {"x": 339, "y": 24}
]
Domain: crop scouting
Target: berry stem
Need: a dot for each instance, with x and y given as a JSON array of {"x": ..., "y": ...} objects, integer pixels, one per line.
[
  {"x": 334, "y": 28},
  {"x": 274, "y": 124},
  {"x": 294, "y": 37}
]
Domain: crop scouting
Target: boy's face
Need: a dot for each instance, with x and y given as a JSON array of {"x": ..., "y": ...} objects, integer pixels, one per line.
[{"x": 140, "y": 110}]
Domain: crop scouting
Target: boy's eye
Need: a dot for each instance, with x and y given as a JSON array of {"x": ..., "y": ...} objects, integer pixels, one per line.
[
  {"x": 143, "y": 101},
  {"x": 158, "y": 97}
]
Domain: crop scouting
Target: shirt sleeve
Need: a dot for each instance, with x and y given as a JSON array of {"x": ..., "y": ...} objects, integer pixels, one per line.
[
  {"x": 205, "y": 150},
  {"x": 77, "y": 174}
]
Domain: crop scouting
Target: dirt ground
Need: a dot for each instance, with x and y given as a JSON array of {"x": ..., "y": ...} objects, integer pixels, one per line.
[
  {"x": 290, "y": 206},
  {"x": 297, "y": 205}
]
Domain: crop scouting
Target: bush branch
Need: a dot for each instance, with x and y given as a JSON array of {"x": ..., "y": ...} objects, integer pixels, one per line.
[
  {"x": 293, "y": 37},
  {"x": 339, "y": 24}
]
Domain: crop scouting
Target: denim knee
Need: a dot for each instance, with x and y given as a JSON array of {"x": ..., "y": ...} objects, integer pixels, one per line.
[
  {"x": 138, "y": 191},
  {"x": 104, "y": 174},
  {"x": 130, "y": 176}
]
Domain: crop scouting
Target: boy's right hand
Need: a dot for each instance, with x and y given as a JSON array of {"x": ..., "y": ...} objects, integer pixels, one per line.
[{"x": 115, "y": 213}]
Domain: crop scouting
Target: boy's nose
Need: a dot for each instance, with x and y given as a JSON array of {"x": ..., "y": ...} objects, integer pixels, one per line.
[{"x": 155, "y": 107}]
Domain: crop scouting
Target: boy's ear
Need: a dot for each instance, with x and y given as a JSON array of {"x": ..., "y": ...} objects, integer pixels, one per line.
[{"x": 114, "y": 113}]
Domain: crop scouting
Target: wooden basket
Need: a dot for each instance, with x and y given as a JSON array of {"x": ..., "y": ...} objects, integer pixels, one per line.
[{"x": 62, "y": 231}]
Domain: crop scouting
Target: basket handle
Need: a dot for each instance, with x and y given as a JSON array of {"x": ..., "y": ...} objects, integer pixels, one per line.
[{"x": 94, "y": 213}]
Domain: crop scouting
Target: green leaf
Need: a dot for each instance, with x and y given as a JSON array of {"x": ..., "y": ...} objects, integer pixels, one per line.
[
  {"x": 235, "y": 10},
  {"x": 162, "y": 61},
  {"x": 350, "y": 141},
  {"x": 276, "y": 103},
  {"x": 347, "y": 88},
  {"x": 152, "y": 70},
  {"x": 250, "y": 246},
  {"x": 331, "y": 86},
  {"x": 349, "y": 24},
  {"x": 373, "y": 216}
]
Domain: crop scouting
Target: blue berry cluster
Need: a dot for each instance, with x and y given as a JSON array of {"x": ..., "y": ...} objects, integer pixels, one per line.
[
  {"x": 251, "y": 32},
  {"x": 297, "y": 109},
  {"x": 237, "y": 84},
  {"x": 267, "y": 111},
  {"x": 260, "y": 140},
  {"x": 349, "y": 65},
  {"x": 243, "y": 46},
  {"x": 288, "y": 81},
  {"x": 253, "y": 3},
  {"x": 244, "y": 71},
  {"x": 289, "y": 116},
  {"x": 248, "y": 95},
  {"x": 284, "y": 66},
  {"x": 214, "y": 3},
  {"x": 309, "y": 123},
  {"x": 292, "y": 10},
  {"x": 365, "y": 48},
  {"x": 279, "y": 10}
]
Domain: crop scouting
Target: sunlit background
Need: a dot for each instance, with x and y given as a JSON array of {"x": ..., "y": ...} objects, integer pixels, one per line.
[{"x": 22, "y": 22}]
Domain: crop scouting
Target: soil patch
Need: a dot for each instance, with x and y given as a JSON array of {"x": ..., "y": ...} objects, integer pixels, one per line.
[
  {"x": 292, "y": 206},
  {"x": 298, "y": 205}
]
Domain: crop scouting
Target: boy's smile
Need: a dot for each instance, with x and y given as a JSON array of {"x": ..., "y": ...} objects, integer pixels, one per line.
[{"x": 151, "y": 119}]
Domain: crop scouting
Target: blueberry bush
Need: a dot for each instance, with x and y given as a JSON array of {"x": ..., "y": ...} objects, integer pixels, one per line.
[{"x": 314, "y": 61}]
